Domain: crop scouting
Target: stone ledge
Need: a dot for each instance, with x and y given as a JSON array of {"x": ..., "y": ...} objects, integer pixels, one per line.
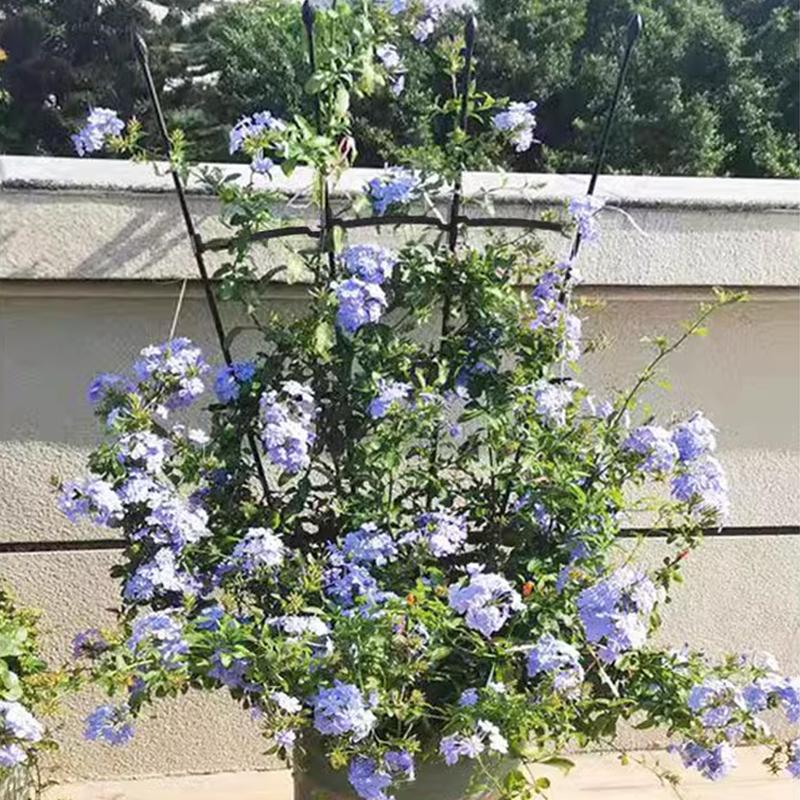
[
  {"x": 595, "y": 776},
  {"x": 74, "y": 174}
]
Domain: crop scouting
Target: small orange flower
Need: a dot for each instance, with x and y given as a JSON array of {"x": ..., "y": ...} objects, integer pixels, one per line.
[
  {"x": 527, "y": 589},
  {"x": 411, "y": 600},
  {"x": 3, "y": 55}
]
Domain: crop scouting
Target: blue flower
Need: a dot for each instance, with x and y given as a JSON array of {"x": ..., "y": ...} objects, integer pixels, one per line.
[
  {"x": 392, "y": 395},
  {"x": 445, "y": 534},
  {"x": 367, "y": 545},
  {"x": 551, "y": 401},
  {"x": 617, "y": 611},
  {"x": 656, "y": 445},
  {"x": 18, "y": 722},
  {"x": 287, "y": 426},
  {"x": 717, "y": 699},
  {"x": 176, "y": 368},
  {"x": 100, "y": 124},
  {"x": 396, "y": 189},
  {"x": 89, "y": 644},
  {"x": 469, "y": 697},
  {"x": 553, "y": 656},
  {"x": 714, "y": 763},
  {"x": 695, "y": 438},
  {"x": 210, "y": 618},
  {"x": 253, "y": 127},
  {"x": 161, "y": 631},
  {"x": 106, "y": 383},
  {"x": 342, "y": 710},
  {"x": 702, "y": 483},
  {"x": 583, "y": 212},
  {"x": 285, "y": 739},
  {"x": 259, "y": 548},
  {"x": 519, "y": 120},
  {"x": 112, "y": 724},
  {"x": 228, "y": 380},
  {"x": 159, "y": 576},
  {"x": 389, "y": 56},
  {"x": 144, "y": 450},
  {"x": 359, "y": 303},
  {"x": 93, "y": 499},
  {"x": 173, "y": 520},
  {"x": 231, "y": 671},
  {"x": 370, "y": 263},
  {"x": 368, "y": 781},
  {"x": 12, "y": 755},
  {"x": 487, "y": 602}
]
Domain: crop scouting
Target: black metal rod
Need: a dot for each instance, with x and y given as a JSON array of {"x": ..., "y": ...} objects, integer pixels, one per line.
[
  {"x": 166, "y": 146},
  {"x": 633, "y": 31},
  {"x": 224, "y": 243},
  {"x": 461, "y": 125},
  {"x": 326, "y": 216},
  {"x": 84, "y": 545}
]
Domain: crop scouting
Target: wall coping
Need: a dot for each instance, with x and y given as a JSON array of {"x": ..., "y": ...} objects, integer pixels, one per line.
[{"x": 34, "y": 173}]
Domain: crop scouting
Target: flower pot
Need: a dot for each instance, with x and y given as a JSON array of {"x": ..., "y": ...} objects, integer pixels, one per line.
[
  {"x": 15, "y": 784},
  {"x": 315, "y": 780}
]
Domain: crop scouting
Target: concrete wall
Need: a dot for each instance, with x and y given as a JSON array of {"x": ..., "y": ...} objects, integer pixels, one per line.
[{"x": 90, "y": 260}]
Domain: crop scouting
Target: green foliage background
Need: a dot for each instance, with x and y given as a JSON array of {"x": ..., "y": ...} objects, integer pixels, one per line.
[{"x": 713, "y": 88}]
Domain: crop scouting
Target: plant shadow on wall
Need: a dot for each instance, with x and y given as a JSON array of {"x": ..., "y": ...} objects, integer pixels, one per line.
[{"x": 397, "y": 540}]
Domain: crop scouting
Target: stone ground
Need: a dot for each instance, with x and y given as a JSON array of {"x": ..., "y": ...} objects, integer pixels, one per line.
[{"x": 598, "y": 776}]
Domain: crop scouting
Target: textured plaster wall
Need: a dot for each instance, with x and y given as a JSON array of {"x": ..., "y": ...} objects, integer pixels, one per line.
[{"x": 77, "y": 297}]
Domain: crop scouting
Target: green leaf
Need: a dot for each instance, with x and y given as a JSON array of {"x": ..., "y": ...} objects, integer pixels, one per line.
[
  {"x": 559, "y": 762},
  {"x": 324, "y": 337}
]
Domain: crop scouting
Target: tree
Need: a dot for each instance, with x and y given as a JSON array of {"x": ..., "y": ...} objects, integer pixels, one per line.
[{"x": 712, "y": 90}]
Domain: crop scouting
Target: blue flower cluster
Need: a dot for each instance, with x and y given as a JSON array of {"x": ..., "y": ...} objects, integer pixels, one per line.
[
  {"x": 255, "y": 127},
  {"x": 259, "y": 548},
  {"x": 655, "y": 443},
  {"x": 486, "y": 736},
  {"x": 713, "y": 763},
  {"x": 583, "y": 211},
  {"x": 561, "y": 660},
  {"x": 396, "y": 189},
  {"x": 101, "y": 124},
  {"x": 370, "y": 263},
  {"x": 389, "y": 57},
  {"x": 616, "y": 611},
  {"x": 552, "y": 313},
  {"x": 92, "y": 499},
  {"x": 341, "y": 710},
  {"x": 359, "y": 303},
  {"x": 551, "y": 401},
  {"x": 486, "y": 601},
  {"x": 161, "y": 633},
  {"x": 392, "y": 395},
  {"x": 444, "y": 534},
  {"x": 177, "y": 366},
  {"x": 716, "y": 700},
  {"x": 519, "y": 120},
  {"x": 111, "y": 724},
  {"x": 371, "y": 781},
  {"x": 229, "y": 379},
  {"x": 18, "y": 723},
  {"x": 700, "y": 479},
  {"x": 287, "y": 420},
  {"x": 160, "y": 576}
]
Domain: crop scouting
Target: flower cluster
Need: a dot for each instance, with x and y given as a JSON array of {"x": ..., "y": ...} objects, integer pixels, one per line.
[
  {"x": 558, "y": 659},
  {"x": 251, "y": 129},
  {"x": 485, "y": 737},
  {"x": 519, "y": 121},
  {"x": 615, "y": 612},
  {"x": 101, "y": 124},
  {"x": 486, "y": 601},
  {"x": 287, "y": 432},
  {"x": 392, "y": 191},
  {"x": 17, "y": 723}
]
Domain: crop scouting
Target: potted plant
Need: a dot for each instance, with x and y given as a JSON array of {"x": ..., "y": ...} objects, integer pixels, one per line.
[
  {"x": 395, "y": 537},
  {"x": 28, "y": 690}
]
